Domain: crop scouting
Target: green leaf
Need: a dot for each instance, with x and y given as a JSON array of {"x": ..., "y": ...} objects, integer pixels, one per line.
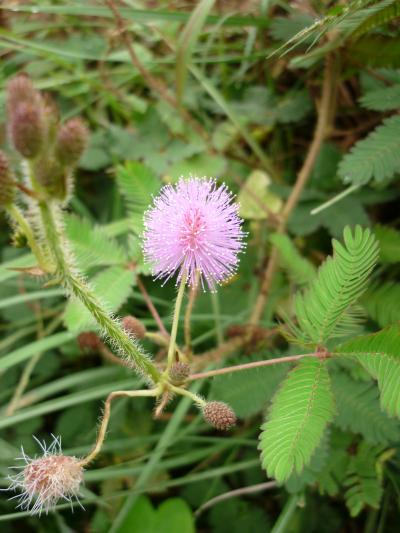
[
  {"x": 300, "y": 269},
  {"x": 248, "y": 392},
  {"x": 322, "y": 310},
  {"x": 112, "y": 287},
  {"x": 379, "y": 354},
  {"x": 365, "y": 49},
  {"x": 389, "y": 243},
  {"x": 384, "y": 99},
  {"x": 174, "y": 515},
  {"x": 358, "y": 410},
  {"x": 187, "y": 41},
  {"x": 375, "y": 157},
  {"x": 362, "y": 482},
  {"x": 91, "y": 245},
  {"x": 137, "y": 184},
  {"x": 300, "y": 412},
  {"x": 141, "y": 518},
  {"x": 382, "y": 303},
  {"x": 255, "y": 200}
]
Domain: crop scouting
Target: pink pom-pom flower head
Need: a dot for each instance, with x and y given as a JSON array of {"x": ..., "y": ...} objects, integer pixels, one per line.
[
  {"x": 47, "y": 479},
  {"x": 193, "y": 228}
]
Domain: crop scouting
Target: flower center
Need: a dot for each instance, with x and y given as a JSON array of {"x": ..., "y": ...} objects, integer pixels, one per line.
[{"x": 192, "y": 230}]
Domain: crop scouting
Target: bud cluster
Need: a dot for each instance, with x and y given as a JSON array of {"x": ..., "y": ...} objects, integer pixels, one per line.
[
  {"x": 34, "y": 131},
  {"x": 179, "y": 373}
]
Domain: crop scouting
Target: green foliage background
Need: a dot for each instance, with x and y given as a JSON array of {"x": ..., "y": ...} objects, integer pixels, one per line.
[{"x": 249, "y": 74}]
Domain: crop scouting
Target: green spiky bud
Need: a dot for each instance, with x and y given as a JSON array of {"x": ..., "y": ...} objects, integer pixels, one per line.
[
  {"x": 7, "y": 187},
  {"x": 219, "y": 415},
  {"x": 71, "y": 142}
]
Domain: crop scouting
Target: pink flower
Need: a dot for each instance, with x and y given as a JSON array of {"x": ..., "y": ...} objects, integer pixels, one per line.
[
  {"x": 193, "y": 226},
  {"x": 47, "y": 479}
]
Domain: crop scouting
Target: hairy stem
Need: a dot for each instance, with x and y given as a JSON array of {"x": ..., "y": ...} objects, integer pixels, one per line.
[
  {"x": 175, "y": 322},
  {"x": 256, "y": 364},
  {"x": 78, "y": 288},
  {"x": 19, "y": 218},
  {"x": 106, "y": 418},
  {"x": 320, "y": 133}
]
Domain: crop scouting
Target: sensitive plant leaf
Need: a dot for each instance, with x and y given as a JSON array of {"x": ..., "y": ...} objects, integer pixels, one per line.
[
  {"x": 358, "y": 410},
  {"x": 112, "y": 287},
  {"x": 389, "y": 243},
  {"x": 255, "y": 200},
  {"x": 379, "y": 354},
  {"x": 363, "y": 485},
  {"x": 91, "y": 246},
  {"x": 137, "y": 184},
  {"x": 384, "y": 99},
  {"x": 299, "y": 269},
  {"x": 365, "y": 49},
  {"x": 380, "y": 14},
  {"x": 375, "y": 157},
  {"x": 382, "y": 303},
  {"x": 322, "y": 310},
  {"x": 300, "y": 412}
]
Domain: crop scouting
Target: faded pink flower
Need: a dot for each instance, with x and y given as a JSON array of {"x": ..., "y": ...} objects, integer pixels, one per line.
[
  {"x": 47, "y": 479},
  {"x": 193, "y": 226}
]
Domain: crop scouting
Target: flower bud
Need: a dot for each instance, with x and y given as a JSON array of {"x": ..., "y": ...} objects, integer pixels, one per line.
[
  {"x": 179, "y": 373},
  {"x": 88, "y": 340},
  {"x": 7, "y": 189},
  {"x": 19, "y": 90},
  {"x": 47, "y": 479},
  {"x": 26, "y": 129},
  {"x": 71, "y": 142},
  {"x": 219, "y": 415},
  {"x": 133, "y": 326},
  {"x": 52, "y": 176}
]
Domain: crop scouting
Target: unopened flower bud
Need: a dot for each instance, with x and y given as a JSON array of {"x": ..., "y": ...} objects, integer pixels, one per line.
[
  {"x": 71, "y": 142},
  {"x": 219, "y": 415},
  {"x": 52, "y": 176},
  {"x": 89, "y": 341},
  {"x": 26, "y": 129},
  {"x": 46, "y": 480},
  {"x": 20, "y": 90},
  {"x": 7, "y": 189},
  {"x": 133, "y": 326},
  {"x": 179, "y": 373}
]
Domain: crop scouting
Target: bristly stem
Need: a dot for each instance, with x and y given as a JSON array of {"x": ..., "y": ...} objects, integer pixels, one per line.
[
  {"x": 175, "y": 322},
  {"x": 78, "y": 287},
  {"x": 106, "y": 418},
  {"x": 19, "y": 218}
]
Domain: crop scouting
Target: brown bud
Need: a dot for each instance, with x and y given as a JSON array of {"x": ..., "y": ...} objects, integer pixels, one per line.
[
  {"x": 219, "y": 415},
  {"x": 71, "y": 142},
  {"x": 26, "y": 129},
  {"x": 179, "y": 373},
  {"x": 89, "y": 341},
  {"x": 134, "y": 326},
  {"x": 7, "y": 189},
  {"x": 19, "y": 90}
]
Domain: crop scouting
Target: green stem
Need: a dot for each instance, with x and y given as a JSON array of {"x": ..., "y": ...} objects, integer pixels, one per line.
[
  {"x": 19, "y": 218},
  {"x": 281, "y": 524},
  {"x": 77, "y": 286},
  {"x": 175, "y": 322}
]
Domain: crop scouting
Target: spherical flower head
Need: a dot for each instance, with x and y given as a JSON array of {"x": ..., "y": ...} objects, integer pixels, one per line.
[
  {"x": 47, "y": 479},
  {"x": 134, "y": 327},
  {"x": 193, "y": 227}
]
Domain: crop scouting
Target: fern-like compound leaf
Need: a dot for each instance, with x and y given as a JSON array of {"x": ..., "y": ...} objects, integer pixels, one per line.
[
  {"x": 379, "y": 354},
  {"x": 375, "y": 157},
  {"x": 300, "y": 412},
  {"x": 323, "y": 310}
]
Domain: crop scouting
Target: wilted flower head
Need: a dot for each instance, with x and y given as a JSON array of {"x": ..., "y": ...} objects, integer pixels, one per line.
[
  {"x": 45, "y": 480},
  {"x": 193, "y": 227}
]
